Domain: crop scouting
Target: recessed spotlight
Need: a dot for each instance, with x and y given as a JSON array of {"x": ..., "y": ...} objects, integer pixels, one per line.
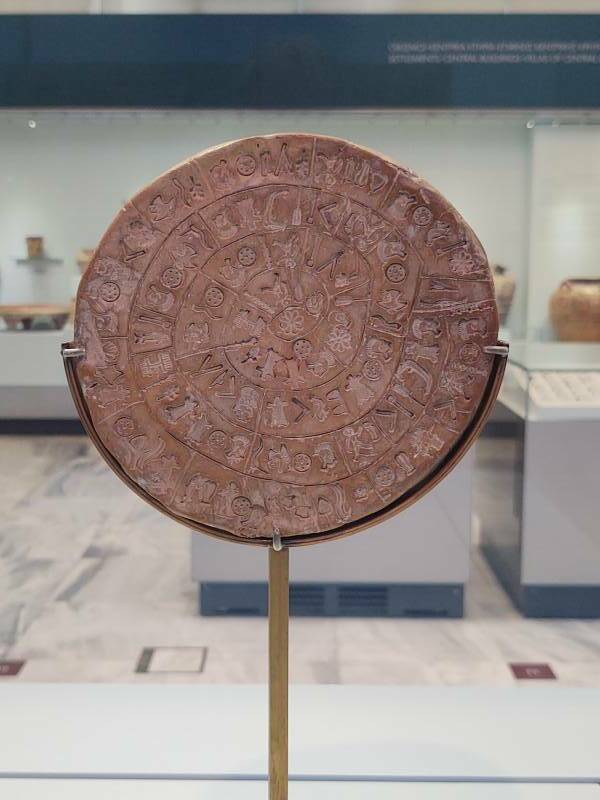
[
  {"x": 530, "y": 123},
  {"x": 32, "y": 123}
]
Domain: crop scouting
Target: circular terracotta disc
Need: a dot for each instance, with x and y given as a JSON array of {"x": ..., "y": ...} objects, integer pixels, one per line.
[{"x": 284, "y": 333}]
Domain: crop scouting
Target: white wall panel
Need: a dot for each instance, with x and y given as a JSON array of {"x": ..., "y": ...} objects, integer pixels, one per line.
[{"x": 565, "y": 214}]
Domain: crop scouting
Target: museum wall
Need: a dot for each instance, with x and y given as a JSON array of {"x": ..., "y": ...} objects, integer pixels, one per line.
[
  {"x": 565, "y": 208},
  {"x": 65, "y": 177}
]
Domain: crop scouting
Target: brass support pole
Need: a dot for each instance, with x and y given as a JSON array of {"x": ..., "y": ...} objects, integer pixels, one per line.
[{"x": 278, "y": 672}]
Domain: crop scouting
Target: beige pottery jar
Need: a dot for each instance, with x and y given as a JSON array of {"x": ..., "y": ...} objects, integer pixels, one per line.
[{"x": 575, "y": 310}]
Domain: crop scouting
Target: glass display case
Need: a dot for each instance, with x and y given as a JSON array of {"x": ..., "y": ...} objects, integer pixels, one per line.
[
  {"x": 497, "y": 105},
  {"x": 556, "y": 381},
  {"x": 536, "y": 492},
  {"x": 527, "y": 181}
]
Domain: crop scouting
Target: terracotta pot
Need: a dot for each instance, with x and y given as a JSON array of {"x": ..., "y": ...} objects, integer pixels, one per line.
[
  {"x": 35, "y": 246},
  {"x": 575, "y": 310},
  {"x": 84, "y": 256},
  {"x": 504, "y": 286}
]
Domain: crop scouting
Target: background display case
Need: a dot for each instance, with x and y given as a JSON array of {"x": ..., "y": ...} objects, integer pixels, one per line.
[{"x": 537, "y": 497}]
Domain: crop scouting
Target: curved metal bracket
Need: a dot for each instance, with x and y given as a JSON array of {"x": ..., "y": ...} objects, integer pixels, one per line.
[
  {"x": 72, "y": 352},
  {"x": 499, "y": 349}
]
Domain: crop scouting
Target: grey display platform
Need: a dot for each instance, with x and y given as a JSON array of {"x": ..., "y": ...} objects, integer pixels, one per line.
[
  {"x": 423, "y": 573},
  {"x": 537, "y": 735}
]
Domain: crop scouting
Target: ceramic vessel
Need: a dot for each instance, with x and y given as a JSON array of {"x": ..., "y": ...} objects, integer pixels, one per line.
[
  {"x": 35, "y": 246},
  {"x": 575, "y": 310},
  {"x": 84, "y": 256},
  {"x": 504, "y": 286},
  {"x": 23, "y": 317}
]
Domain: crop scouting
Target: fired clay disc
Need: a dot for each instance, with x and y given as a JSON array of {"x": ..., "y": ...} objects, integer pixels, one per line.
[{"x": 284, "y": 333}]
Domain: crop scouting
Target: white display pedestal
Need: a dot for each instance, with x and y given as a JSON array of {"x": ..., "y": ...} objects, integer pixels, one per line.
[
  {"x": 239, "y": 790},
  {"x": 400, "y": 742},
  {"x": 423, "y": 579}
]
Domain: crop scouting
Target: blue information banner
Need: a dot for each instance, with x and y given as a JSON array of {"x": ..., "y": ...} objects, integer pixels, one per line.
[{"x": 300, "y": 61}]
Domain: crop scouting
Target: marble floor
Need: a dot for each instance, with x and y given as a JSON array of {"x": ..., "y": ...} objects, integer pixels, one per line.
[{"x": 90, "y": 577}]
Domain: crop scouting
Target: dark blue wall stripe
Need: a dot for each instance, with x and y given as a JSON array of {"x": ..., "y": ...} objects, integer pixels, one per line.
[{"x": 283, "y": 61}]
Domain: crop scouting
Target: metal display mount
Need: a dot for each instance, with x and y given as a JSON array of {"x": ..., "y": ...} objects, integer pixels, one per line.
[{"x": 279, "y": 566}]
